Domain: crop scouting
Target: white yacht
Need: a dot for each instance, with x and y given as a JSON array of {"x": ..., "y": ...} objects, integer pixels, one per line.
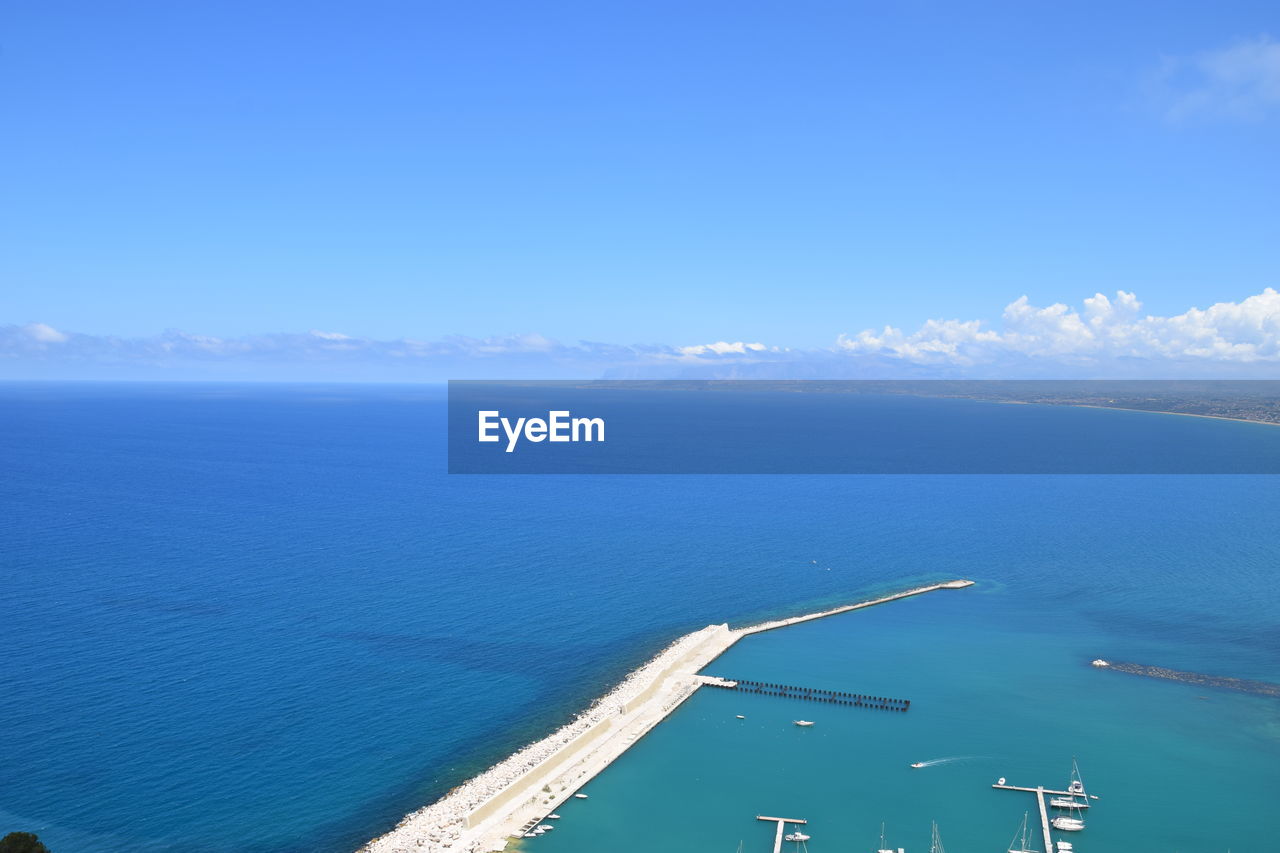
[
  {"x": 796, "y": 836},
  {"x": 1068, "y": 803},
  {"x": 580, "y": 796},
  {"x": 803, "y": 722},
  {"x": 1068, "y": 824}
]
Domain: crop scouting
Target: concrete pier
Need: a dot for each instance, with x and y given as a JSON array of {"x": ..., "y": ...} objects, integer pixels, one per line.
[
  {"x": 480, "y": 814},
  {"x": 1046, "y": 790},
  {"x": 1044, "y": 821}
]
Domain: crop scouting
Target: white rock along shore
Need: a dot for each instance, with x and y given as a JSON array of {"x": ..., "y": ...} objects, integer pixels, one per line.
[{"x": 482, "y": 813}]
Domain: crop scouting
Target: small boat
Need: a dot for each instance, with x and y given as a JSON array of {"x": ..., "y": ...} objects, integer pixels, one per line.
[
  {"x": 1101, "y": 663},
  {"x": 795, "y": 836},
  {"x": 1064, "y": 847},
  {"x": 531, "y": 835},
  {"x": 803, "y": 722},
  {"x": 742, "y": 717},
  {"x": 581, "y": 796},
  {"x": 918, "y": 765},
  {"x": 553, "y": 817},
  {"x": 1019, "y": 842},
  {"x": 545, "y": 826}
]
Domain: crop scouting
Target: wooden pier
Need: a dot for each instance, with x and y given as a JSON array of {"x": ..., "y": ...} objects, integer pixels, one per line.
[
  {"x": 812, "y": 694},
  {"x": 782, "y": 823}
]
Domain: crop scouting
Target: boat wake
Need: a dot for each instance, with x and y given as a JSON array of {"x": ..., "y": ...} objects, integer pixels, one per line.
[{"x": 934, "y": 762}]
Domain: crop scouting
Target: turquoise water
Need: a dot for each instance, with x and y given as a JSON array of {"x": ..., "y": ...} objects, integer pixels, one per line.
[
  {"x": 263, "y": 619},
  {"x": 996, "y": 692}
]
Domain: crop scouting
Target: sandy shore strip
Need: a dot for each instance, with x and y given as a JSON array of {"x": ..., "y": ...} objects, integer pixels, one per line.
[{"x": 481, "y": 814}]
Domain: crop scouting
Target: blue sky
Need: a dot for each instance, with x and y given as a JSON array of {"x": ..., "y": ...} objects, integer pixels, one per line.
[{"x": 668, "y": 174}]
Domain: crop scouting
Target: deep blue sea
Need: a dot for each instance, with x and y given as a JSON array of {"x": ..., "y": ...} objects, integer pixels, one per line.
[{"x": 263, "y": 618}]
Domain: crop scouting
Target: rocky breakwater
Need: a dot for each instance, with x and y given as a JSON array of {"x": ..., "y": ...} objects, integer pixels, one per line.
[{"x": 466, "y": 821}]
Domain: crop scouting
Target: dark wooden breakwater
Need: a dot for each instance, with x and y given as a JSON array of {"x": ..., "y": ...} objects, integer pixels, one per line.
[{"x": 814, "y": 694}]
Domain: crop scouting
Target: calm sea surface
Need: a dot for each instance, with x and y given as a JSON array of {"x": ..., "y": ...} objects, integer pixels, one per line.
[{"x": 264, "y": 619}]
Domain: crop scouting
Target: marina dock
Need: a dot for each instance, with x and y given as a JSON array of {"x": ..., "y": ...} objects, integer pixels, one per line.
[
  {"x": 782, "y": 823},
  {"x": 1040, "y": 793}
]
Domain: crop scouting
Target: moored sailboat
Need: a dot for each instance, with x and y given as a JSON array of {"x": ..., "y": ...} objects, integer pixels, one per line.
[
  {"x": 884, "y": 848},
  {"x": 1078, "y": 799},
  {"x": 1020, "y": 842}
]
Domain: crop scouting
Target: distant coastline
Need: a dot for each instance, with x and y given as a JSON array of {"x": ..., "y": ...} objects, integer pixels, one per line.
[
  {"x": 1166, "y": 412},
  {"x": 1249, "y": 401}
]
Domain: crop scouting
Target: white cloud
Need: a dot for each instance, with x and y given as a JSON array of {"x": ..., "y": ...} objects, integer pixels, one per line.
[
  {"x": 723, "y": 348},
  {"x": 1106, "y": 336},
  {"x": 41, "y": 333},
  {"x": 1241, "y": 81},
  {"x": 1105, "y": 331}
]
